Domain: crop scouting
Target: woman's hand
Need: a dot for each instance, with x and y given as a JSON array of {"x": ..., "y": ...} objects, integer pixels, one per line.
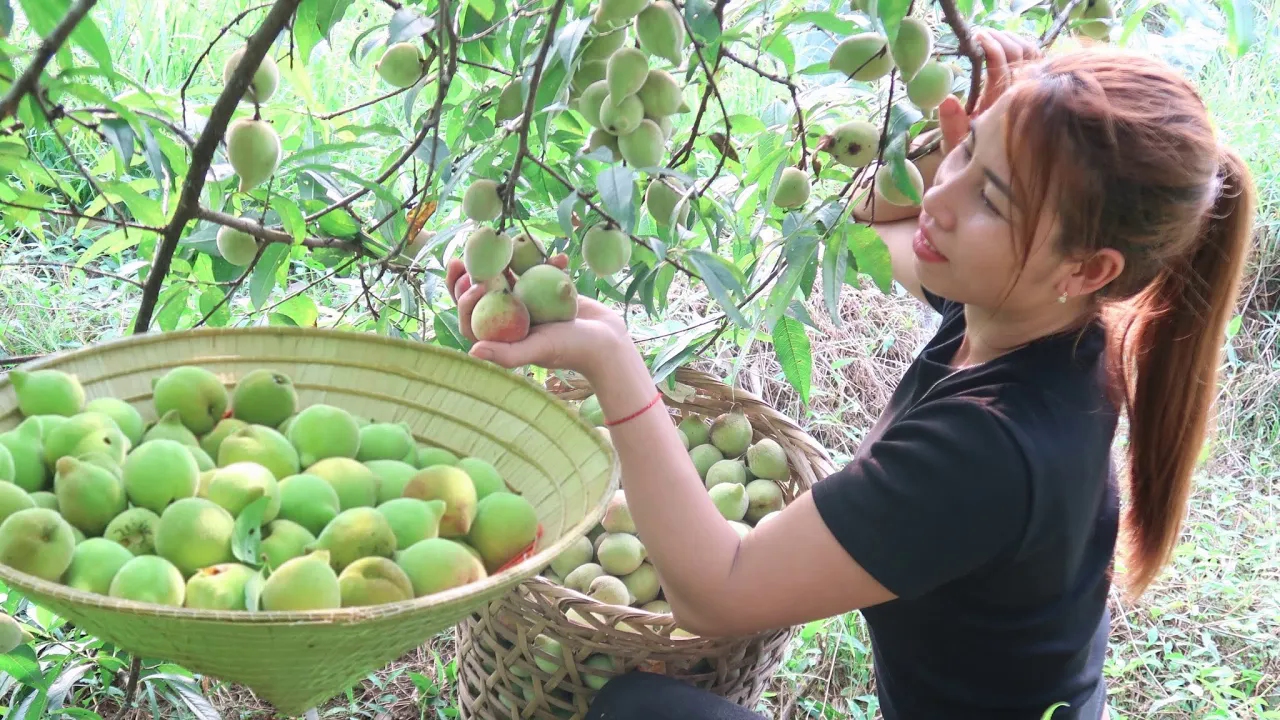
[
  {"x": 584, "y": 345},
  {"x": 1004, "y": 53}
]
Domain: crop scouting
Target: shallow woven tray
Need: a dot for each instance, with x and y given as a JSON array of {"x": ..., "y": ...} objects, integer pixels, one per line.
[
  {"x": 497, "y": 677},
  {"x": 296, "y": 660}
]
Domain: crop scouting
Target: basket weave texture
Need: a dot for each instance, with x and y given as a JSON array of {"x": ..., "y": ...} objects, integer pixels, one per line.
[
  {"x": 498, "y": 677},
  {"x": 296, "y": 660}
]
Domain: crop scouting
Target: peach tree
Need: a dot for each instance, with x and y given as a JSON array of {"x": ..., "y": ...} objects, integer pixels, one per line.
[{"x": 606, "y": 143}]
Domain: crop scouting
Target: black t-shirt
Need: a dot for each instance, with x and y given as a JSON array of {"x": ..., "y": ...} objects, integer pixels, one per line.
[{"x": 985, "y": 499}]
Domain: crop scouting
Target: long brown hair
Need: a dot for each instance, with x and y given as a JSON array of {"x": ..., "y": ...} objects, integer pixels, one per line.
[{"x": 1123, "y": 152}]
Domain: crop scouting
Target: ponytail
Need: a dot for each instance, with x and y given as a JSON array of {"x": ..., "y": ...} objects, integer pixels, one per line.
[{"x": 1165, "y": 357}]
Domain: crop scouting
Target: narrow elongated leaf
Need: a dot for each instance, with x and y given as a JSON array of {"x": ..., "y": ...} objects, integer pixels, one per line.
[
  {"x": 702, "y": 20},
  {"x": 799, "y": 251},
  {"x": 155, "y": 159},
  {"x": 121, "y": 137},
  {"x": 210, "y": 297},
  {"x": 895, "y": 156},
  {"x": 1240, "y": 32},
  {"x": 406, "y": 24},
  {"x": 21, "y": 663},
  {"x": 872, "y": 255},
  {"x": 721, "y": 283},
  {"x": 791, "y": 345},
  {"x": 328, "y": 13},
  {"x": 306, "y": 28},
  {"x": 891, "y": 14},
  {"x": 564, "y": 213},
  {"x": 290, "y": 217},
  {"x": 264, "y": 275},
  {"x": 569, "y": 38},
  {"x": 246, "y": 538},
  {"x": 835, "y": 263},
  {"x": 617, "y": 186}
]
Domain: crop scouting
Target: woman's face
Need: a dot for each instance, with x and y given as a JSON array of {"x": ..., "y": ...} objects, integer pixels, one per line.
[{"x": 969, "y": 246}]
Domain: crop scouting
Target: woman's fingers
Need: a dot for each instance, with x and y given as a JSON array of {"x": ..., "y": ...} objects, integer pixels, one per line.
[
  {"x": 539, "y": 348},
  {"x": 954, "y": 123},
  {"x": 466, "y": 304},
  {"x": 454, "y": 270},
  {"x": 997, "y": 70}
]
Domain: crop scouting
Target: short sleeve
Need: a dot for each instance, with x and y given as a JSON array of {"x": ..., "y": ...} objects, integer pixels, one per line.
[
  {"x": 939, "y": 303},
  {"x": 944, "y": 491}
]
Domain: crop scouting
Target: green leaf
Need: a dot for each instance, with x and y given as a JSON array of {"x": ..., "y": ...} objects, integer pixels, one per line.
[
  {"x": 483, "y": 8},
  {"x": 895, "y": 156},
  {"x": 328, "y": 13},
  {"x": 965, "y": 7},
  {"x": 617, "y": 186},
  {"x": 569, "y": 38},
  {"x": 799, "y": 251},
  {"x": 1240, "y": 31},
  {"x": 891, "y": 14},
  {"x": 406, "y": 24},
  {"x": 448, "y": 332},
  {"x": 1049, "y": 713},
  {"x": 701, "y": 16},
  {"x": 872, "y": 255},
  {"x": 290, "y": 217},
  {"x": 721, "y": 282},
  {"x": 675, "y": 355},
  {"x": 780, "y": 47},
  {"x": 662, "y": 284},
  {"x": 835, "y": 263},
  {"x": 155, "y": 159},
  {"x": 306, "y": 28},
  {"x": 6, "y": 18},
  {"x": 246, "y": 539},
  {"x": 301, "y": 309},
  {"x": 210, "y": 298},
  {"x": 173, "y": 305},
  {"x": 791, "y": 345},
  {"x": 21, "y": 663},
  {"x": 564, "y": 213},
  {"x": 264, "y": 275},
  {"x": 253, "y": 591},
  {"x": 44, "y": 16},
  {"x": 121, "y": 137}
]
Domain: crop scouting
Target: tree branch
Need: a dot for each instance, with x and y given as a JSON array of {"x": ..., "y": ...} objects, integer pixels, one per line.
[
  {"x": 26, "y": 82},
  {"x": 795, "y": 99},
  {"x": 1059, "y": 22},
  {"x": 965, "y": 44},
  {"x": 271, "y": 235},
  {"x": 82, "y": 216},
  {"x": 526, "y": 120},
  {"x": 201, "y": 157}
]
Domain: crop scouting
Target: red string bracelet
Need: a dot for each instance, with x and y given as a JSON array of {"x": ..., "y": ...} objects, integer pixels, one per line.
[{"x": 656, "y": 399}]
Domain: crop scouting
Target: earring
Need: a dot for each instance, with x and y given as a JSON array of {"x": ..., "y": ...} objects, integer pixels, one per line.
[{"x": 1062, "y": 298}]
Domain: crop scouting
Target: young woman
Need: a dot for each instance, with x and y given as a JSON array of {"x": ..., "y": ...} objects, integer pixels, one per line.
[{"x": 1083, "y": 238}]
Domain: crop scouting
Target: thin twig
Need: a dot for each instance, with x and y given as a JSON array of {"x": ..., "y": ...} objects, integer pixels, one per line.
[
  {"x": 365, "y": 104},
  {"x": 795, "y": 98},
  {"x": 82, "y": 216},
  {"x": 226, "y": 298},
  {"x": 494, "y": 68},
  {"x": 201, "y": 157},
  {"x": 49, "y": 47},
  {"x": 19, "y": 359},
  {"x": 182, "y": 92},
  {"x": 526, "y": 120},
  {"x": 711, "y": 80},
  {"x": 173, "y": 127},
  {"x": 70, "y": 266}
]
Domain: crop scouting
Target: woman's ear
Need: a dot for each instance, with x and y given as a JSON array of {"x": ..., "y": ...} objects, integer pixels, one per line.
[{"x": 1095, "y": 272}]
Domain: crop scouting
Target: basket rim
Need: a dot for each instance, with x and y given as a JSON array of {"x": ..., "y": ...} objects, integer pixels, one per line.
[
  {"x": 510, "y": 577},
  {"x": 819, "y": 465}
]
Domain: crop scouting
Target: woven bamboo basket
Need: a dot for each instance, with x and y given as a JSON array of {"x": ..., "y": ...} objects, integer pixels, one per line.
[
  {"x": 296, "y": 660},
  {"x": 497, "y": 675}
]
